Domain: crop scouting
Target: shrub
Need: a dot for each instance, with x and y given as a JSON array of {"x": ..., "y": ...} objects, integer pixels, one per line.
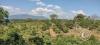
[
  {"x": 46, "y": 25},
  {"x": 37, "y": 40},
  {"x": 67, "y": 40},
  {"x": 15, "y": 39}
]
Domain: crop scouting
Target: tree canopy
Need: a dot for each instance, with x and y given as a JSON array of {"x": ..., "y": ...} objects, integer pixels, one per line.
[{"x": 3, "y": 15}]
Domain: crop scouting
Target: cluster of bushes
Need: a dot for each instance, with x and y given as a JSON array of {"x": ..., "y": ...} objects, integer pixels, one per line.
[
  {"x": 80, "y": 20},
  {"x": 86, "y": 22},
  {"x": 14, "y": 38},
  {"x": 31, "y": 33},
  {"x": 25, "y": 33}
]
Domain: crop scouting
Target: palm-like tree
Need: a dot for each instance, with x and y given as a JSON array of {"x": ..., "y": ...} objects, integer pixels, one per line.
[{"x": 3, "y": 15}]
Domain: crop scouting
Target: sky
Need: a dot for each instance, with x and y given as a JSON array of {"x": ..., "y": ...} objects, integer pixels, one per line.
[{"x": 63, "y": 8}]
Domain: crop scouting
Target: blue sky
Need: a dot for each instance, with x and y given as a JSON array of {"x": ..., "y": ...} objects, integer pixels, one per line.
[{"x": 88, "y": 7}]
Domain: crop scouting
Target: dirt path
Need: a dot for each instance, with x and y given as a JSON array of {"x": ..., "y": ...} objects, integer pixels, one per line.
[{"x": 52, "y": 32}]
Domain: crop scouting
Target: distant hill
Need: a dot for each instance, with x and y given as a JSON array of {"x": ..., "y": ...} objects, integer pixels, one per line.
[{"x": 25, "y": 16}]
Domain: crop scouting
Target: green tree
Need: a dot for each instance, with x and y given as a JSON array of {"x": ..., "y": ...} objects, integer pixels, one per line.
[
  {"x": 53, "y": 16},
  {"x": 3, "y": 15},
  {"x": 79, "y": 17}
]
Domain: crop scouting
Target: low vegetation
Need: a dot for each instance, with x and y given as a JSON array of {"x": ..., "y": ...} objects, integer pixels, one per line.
[{"x": 37, "y": 32}]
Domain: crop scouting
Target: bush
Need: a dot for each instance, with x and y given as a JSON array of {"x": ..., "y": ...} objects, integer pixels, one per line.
[
  {"x": 61, "y": 26},
  {"x": 46, "y": 25},
  {"x": 37, "y": 40},
  {"x": 67, "y": 40},
  {"x": 15, "y": 39}
]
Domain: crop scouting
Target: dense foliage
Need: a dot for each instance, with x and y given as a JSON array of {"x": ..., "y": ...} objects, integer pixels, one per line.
[
  {"x": 3, "y": 15},
  {"x": 37, "y": 32}
]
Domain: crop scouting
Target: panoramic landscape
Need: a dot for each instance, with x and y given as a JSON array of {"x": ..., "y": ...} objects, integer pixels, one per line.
[{"x": 49, "y": 22}]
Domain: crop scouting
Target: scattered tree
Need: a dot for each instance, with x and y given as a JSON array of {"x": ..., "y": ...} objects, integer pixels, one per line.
[{"x": 3, "y": 15}]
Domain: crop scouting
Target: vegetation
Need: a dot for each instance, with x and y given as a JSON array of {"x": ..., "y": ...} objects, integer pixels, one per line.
[
  {"x": 3, "y": 15},
  {"x": 37, "y": 32}
]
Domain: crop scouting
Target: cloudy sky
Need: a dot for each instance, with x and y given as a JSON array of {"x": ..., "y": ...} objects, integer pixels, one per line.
[{"x": 63, "y": 8}]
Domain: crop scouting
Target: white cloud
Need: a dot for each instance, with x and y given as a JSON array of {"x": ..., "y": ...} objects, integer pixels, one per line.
[
  {"x": 41, "y": 10},
  {"x": 50, "y": 6},
  {"x": 46, "y": 9},
  {"x": 79, "y": 12},
  {"x": 37, "y": 11},
  {"x": 40, "y": 3},
  {"x": 53, "y": 6},
  {"x": 13, "y": 10},
  {"x": 57, "y": 7},
  {"x": 35, "y": 0}
]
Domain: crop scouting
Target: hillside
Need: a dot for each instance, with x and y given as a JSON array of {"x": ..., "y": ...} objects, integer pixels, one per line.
[{"x": 25, "y": 16}]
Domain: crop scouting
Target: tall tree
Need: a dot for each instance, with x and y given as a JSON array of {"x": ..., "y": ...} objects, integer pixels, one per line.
[
  {"x": 79, "y": 17},
  {"x": 3, "y": 15},
  {"x": 53, "y": 16}
]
